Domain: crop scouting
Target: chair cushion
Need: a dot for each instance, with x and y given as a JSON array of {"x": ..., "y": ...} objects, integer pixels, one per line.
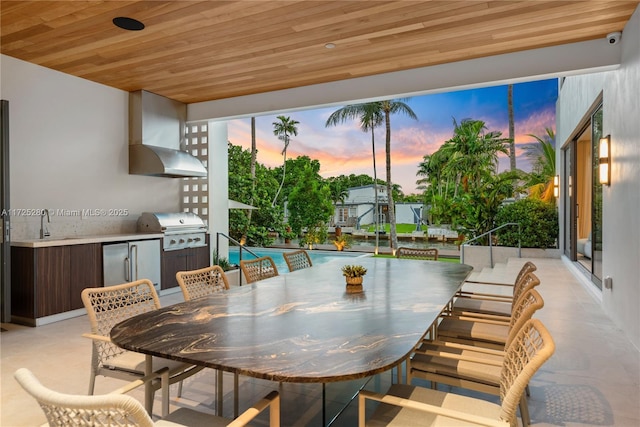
[
  {"x": 456, "y": 328},
  {"x": 390, "y": 415},
  {"x": 462, "y": 369},
  {"x": 482, "y": 306},
  {"x": 505, "y": 290},
  {"x": 188, "y": 417},
  {"x": 131, "y": 361}
]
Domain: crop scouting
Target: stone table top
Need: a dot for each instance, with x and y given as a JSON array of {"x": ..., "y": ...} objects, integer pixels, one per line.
[{"x": 303, "y": 326}]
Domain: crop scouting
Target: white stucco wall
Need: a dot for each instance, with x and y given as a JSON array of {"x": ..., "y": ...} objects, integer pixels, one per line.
[
  {"x": 218, "y": 186},
  {"x": 404, "y": 213},
  {"x": 68, "y": 150},
  {"x": 621, "y": 201}
]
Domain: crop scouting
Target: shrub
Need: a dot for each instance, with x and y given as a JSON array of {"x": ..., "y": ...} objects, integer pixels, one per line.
[
  {"x": 222, "y": 262},
  {"x": 538, "y": 223}
]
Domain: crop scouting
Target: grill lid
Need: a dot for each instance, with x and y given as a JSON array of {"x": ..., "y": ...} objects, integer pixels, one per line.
[{"x": 154, "y": 222}]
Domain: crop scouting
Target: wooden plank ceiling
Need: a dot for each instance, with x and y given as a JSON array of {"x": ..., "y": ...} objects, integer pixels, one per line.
[{"x": 195, "y": 51}]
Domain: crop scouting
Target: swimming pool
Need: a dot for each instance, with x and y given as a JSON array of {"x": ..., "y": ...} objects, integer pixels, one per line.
[{"x": 317, "y": 256}]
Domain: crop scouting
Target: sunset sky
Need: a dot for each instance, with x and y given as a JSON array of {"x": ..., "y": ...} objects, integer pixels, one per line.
[{"x": 346, "y": 149}]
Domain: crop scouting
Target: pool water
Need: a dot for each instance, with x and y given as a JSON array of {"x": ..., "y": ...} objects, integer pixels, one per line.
[{"x": 317, "y": 256}]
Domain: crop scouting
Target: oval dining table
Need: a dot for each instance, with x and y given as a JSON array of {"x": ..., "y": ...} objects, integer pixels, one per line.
[{"x": 303, "y": 326}]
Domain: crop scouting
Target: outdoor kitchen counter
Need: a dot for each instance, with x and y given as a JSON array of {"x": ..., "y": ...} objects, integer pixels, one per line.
[{"x": 82, "y": 240}]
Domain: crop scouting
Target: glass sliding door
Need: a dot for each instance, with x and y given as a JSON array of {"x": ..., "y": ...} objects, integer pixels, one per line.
[
  {"x": 569, "y": 205},
  {"x": 583, "y": 198},
  {"x": 596, "y": 214}
]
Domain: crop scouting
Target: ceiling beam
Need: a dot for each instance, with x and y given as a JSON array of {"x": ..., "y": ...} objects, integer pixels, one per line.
[{"x": 537, "y": 64}]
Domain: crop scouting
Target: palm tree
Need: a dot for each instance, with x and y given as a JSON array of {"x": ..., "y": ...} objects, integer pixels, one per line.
[
  {"x": 512, "y": 137},
  {"x": 370, "y": 116},
  {"x": 472, "y": 152},
  {"x": 543, "y": 157},
  {"x": 338, "y": 192},
  {"x": 254, "y": 154},
  {"x": 390, "y": 107},
  {"x": 282, "y": 129}
]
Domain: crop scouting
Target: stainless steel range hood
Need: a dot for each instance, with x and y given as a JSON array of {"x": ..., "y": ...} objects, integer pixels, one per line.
[{"x": 156, "y": 133}]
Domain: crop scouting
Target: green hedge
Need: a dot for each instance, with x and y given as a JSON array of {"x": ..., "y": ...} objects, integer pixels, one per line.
[{"x": 538, "y": 222}]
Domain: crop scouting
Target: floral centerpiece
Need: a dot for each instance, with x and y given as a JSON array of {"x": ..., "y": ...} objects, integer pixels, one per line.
[{"x": 353, "y": 275}]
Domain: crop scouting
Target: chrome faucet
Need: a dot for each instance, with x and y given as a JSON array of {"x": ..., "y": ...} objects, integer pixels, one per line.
[{"x": 43, "y": 231}]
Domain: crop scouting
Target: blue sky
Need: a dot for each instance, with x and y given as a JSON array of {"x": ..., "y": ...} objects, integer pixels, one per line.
[{"x": 345, "y": 149}]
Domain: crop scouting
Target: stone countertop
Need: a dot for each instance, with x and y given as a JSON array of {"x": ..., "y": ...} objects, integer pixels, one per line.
[
  {"x": 82, "y": 240},
  {"x": 303, "y": 326}
]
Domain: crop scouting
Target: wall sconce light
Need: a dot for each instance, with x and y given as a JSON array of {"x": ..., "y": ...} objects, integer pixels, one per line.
[
  {"x": 604, "y": 171},
  {"x": 556, "y": 186},
  {"x": 570, "y": 186}
]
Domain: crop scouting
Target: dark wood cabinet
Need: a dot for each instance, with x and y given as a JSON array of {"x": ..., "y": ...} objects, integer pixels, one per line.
[
  {"x": 48, "y": 280},
  {"x": 200, "y": 258},
  {"x": 182, "y": 260},
  {"x": 23, "y": 273},
  {"x": 172, "y": 262},
  {"x": 85, "y": 271},
  {"x": 52, "y": 280}
]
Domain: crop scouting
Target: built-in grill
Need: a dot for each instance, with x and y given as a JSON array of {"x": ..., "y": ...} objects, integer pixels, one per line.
[{"x": 181, "y": 229}]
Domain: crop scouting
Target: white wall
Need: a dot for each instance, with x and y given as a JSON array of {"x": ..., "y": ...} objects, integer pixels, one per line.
[
  {"x": 218, "y": 186},
  {"x": 68, "y": 150},
  {"x": 404, "y": 213},
  {"x": 621, "y": 201}
]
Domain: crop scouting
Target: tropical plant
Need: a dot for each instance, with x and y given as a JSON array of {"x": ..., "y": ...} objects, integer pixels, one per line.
[
  {"x": 315, "y": 235},
  {"x": 472, "y": 152},
  {"x": 288, "y": 234},
  {"x": 295, "y": 170},
  {"x": 254, "y": 156},
  {"x": 343, "y": 241},
  {"x": 543, "y": 158},
  {"x": 338, "y": 191},
  {"x": 353, "y": 271},
  {"x": 474, "y": 212},
  {"x": 283, "y": 128},
  {"x": 370, "y": 116},
  {"x": 512, "y": 136},
  {"x": 538, "y": 224},
  {"x": 309, "y": 202},
  {"x": 240, "y": 189},
  {"x": 462, "y": 186},
  {"x": 388, "y": 108},
  {"x": 222, "y": 262}
]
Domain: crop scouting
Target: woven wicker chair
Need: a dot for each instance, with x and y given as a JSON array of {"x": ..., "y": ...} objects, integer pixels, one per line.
[
  {"x": 414, "y": 253},
  {"x": 472, "y": 366},
  {"x": 487, "y": 306},
  {"x": 297, "y": 260},
  {"x": 407, "y": 406},
  {"x": 200, "y": 283},
  {"x": 107, "y": 306},
  {"x": 486, "y": 289},
  {"x": 116, "y": 409},
  {"x": 491, "y": 332},
  {"x": 258, "y": 269},
  {"x": 205, "y": 281}
]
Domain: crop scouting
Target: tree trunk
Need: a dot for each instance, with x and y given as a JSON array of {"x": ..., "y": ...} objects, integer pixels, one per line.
[
  {"x": 375, "y": 192},
  {"x": 512, "y": 142},
  {"x": 254, "y": 153},
  {"x": 393, "y": 241},
  {"x": 284, "y": 169}
]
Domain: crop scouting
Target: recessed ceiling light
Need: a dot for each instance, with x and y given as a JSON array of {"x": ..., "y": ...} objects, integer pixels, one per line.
[
  {"x": 128, "y": 23},
  {"x": 329, "y": 45}
]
